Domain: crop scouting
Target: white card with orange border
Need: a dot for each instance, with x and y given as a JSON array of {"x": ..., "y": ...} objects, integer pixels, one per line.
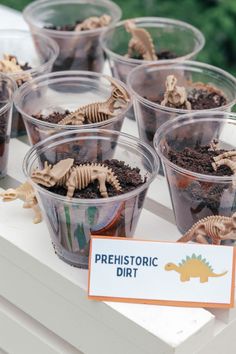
[{"x": 163, "y": 273}]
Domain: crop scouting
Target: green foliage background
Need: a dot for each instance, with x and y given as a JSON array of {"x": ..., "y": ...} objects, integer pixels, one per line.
[{"x": 215, "y": 18}]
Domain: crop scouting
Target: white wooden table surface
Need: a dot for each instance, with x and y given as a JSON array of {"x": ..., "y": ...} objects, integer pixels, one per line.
[{"x": 43, "y": 301}]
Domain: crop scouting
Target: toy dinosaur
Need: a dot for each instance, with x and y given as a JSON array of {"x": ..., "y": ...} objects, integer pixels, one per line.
[
  {"x": 65, "y": 174},
  {"x": 194, "y": 267},
  {"x": 228, "y": 158},
  {"x": 93, "y": 23},
  {"x": 215, "y": 227},
  {"x": 26, "y": 193},
  {"x": 99, "y": 111},
  {"x": 9, "y": 65},
  {"x": 141, "y": 42},
  {"x": 214, "y": 145},
  {"x": 175, "y": 96}
]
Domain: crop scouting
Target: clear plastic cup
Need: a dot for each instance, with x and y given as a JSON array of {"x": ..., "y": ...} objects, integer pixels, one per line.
[
  {"x": 72, "y": 221},
  {"x": 195, "y": 195},
  {"x": 176, "y": 36},
  {"x": 39, "y": 52},
  {"x": 147, "y": 83},
  {"x": 7, "y": 87},
  {"x": 61, "y": 91},
  {"x": 78, "y": 50}
]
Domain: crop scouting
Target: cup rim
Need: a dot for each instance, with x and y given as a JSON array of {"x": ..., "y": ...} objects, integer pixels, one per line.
[
  {"x": 199, "y": 35},
  {"x": 54, "y": 46},
  {"x": 186, "y": 64},
  {"x": 33, "y": 5},
  {"x": 46, "y": 79},
  {"x": 8, "y": 105},
  {"x": 185, "y": 120},
  {"x": 105, "y": 134}
]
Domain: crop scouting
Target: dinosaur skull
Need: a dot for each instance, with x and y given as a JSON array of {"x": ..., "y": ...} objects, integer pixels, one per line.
[
  {"x": 9, "y": 194},
  {"x": 44, "y": 177},
  {"x": 129, "y": 25},
  {"x": 171, "y": 82}
]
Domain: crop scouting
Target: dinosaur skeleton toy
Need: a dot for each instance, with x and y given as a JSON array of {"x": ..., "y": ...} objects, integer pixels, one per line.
[
  {"x": 66, "y": 174},
  {"x": 141, "y": 42},
  {"x": 93, "y": 23},
  {"x": 175, "y": 96},
  {"x": 9, "y": 65},
  {"x": 26, "y": 193},
  {"x": 228, "y": 158},
  {"x": 99, "y": 111},
  {"x": 217, "y": 227}
]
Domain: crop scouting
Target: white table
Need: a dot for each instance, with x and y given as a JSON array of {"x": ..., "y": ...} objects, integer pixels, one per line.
[{"x": 43, "y": 301}]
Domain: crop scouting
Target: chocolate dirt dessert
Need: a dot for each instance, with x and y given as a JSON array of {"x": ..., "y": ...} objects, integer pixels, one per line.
[
  {"x": 195, "y": 198},
  {"x": 74, "y": 222},
  {"x": 95, "y": 112},
  {"x": 81, "y": 52}
]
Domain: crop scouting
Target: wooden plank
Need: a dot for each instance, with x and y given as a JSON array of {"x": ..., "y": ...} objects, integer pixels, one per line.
[{"x": 20, "y": 334}]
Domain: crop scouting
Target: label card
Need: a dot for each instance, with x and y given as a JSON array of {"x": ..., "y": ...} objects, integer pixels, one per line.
[{"x": 163, "y": 273}]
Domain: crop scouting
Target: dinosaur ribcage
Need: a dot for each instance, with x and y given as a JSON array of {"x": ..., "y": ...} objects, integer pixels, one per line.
[
  {"x": 212, "y": 230},
  {"x": 82, "y": 176},
  {"x": 91, "y": 112}
]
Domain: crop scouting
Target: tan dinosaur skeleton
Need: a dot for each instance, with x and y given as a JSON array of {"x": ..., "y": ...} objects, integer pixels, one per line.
[
  {"x": 228, "y": 158},
  {"x": 214, "y": 145},
  {"x": 9, "y": 65},
  {"x": 141, "y": 42},
  {"x": 99, "y": 111},
  {"x": 26, "y": 193},
  {"x": 175, "y": 96},
  {"x": 216, "y": 227},
  {"x": 93, "y": 23},
  {"x": 65, "y": 174}
]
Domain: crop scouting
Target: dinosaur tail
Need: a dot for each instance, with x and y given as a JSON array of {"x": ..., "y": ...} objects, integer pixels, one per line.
[
  {"x": 186, "y": 237},
  {"x": 219, "y": 275}
]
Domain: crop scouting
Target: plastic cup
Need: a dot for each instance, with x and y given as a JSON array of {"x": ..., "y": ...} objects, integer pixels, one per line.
[
  {"x": 39, "y": 52},
  {"x": 72, "y": 221},
  {"x": 78, "y": 50},
  {"x": 65, "y": 90},
  {"x": 148, "y": 81},
  {"x": 195, "y": 195},
  {"x": 7, "y": 87},
  {"x": 179, "y": 37}
]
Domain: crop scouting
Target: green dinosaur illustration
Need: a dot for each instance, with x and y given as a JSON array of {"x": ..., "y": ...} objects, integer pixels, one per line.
[{"x": 194, "y": 267}]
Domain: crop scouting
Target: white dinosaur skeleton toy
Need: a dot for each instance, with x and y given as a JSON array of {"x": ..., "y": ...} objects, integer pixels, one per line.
[
  {"x": 99, "y": 111},
  {"x": 93, "y": 23},
  {"x": 26, "y": 193},
  {"x": 228, "y": 158},
  {"x": 216, "y": 227},
  {"x": 65, "y": 174},
  {"x": 9, "y": 65},
  {"x": 175, "y": 96},
  {"x": 141, "y": 42}
]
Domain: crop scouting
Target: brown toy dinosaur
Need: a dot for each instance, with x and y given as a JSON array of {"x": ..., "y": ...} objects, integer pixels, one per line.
[
  {"x": 141, "y": 42},
  {"x": 175, "y": 96},
  {"x": 99, "y": 111},
  {"x": 26, "y": 193},
  {"x": 65, "y": 174},
  {"x": 215, "y": 227}
]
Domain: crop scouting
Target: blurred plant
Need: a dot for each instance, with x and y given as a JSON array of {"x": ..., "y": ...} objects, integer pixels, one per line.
[{"x": 215, "y": 18}]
